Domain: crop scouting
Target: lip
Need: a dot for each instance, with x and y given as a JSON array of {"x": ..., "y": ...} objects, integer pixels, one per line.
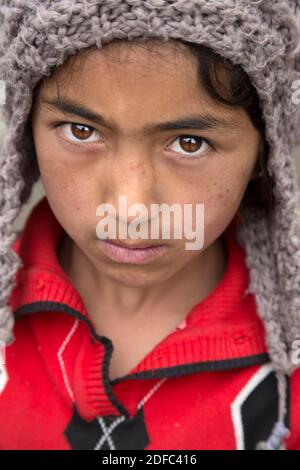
[
  {"x": 134, "y": 253},
  {"x": 133, "y": 245}
]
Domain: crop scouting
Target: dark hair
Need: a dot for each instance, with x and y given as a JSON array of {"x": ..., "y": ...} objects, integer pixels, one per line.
[{"x": 235, "y": 91}]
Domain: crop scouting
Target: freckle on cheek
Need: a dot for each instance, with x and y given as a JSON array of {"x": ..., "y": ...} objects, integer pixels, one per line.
[{"x": 221, "y": 195}]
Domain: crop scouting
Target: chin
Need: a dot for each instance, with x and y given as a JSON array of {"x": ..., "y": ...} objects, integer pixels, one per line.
[{"x": 128, "y": 277}]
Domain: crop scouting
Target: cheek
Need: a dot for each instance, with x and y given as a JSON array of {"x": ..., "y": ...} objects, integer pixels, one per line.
[
  {"x": 59, "y": 171},
  {"x": 228, "y": 187},
  {"x": 65, "y": 191},
  {"x": 60, "y": 184},
  {"x": 221, "y": 196},
  {"x": 223, "y": 203},
  {"x": 61, "y": 177}
]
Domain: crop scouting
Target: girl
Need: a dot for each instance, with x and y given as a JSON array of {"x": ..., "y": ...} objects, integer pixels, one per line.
[{"x": 131, "y": 343}]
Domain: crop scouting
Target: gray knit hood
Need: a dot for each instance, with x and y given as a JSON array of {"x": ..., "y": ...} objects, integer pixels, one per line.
[{"x": 262, "y": 36}]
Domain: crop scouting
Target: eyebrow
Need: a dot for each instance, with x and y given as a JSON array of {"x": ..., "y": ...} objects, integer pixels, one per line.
[{"x": 200, "y": 122}]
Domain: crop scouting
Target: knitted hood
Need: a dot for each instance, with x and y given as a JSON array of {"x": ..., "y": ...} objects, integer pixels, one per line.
[{"x": 262, "y": 36}]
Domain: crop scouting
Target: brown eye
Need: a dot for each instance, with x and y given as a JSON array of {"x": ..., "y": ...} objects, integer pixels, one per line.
[
  {"x": 79, "y": 134},
  {"x": 191, "y": 145},
  {"x": 81, "y": 131}
]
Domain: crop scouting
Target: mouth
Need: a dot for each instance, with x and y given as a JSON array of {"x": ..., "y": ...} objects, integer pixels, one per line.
[
  {"x": 133, "y": 253},
  {"x": 134, "y": 246}
]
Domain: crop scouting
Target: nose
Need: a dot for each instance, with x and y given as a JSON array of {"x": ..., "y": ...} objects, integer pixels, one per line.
[{"x": 133, "y": 186}]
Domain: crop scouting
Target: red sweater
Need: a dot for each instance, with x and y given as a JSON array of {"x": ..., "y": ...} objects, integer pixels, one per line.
[{"x": 207, "y": 385}]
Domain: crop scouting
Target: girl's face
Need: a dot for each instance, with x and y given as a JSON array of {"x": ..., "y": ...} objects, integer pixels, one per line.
[{"x": 122, "y": 145}]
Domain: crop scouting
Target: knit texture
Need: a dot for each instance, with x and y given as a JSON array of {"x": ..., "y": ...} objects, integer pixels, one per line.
[{"x": 262, "y": 36}]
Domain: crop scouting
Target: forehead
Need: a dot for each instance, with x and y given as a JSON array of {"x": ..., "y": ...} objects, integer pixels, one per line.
[
  {"x": 127, "y": 63},
  {"x": 123, "y": 77}
]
